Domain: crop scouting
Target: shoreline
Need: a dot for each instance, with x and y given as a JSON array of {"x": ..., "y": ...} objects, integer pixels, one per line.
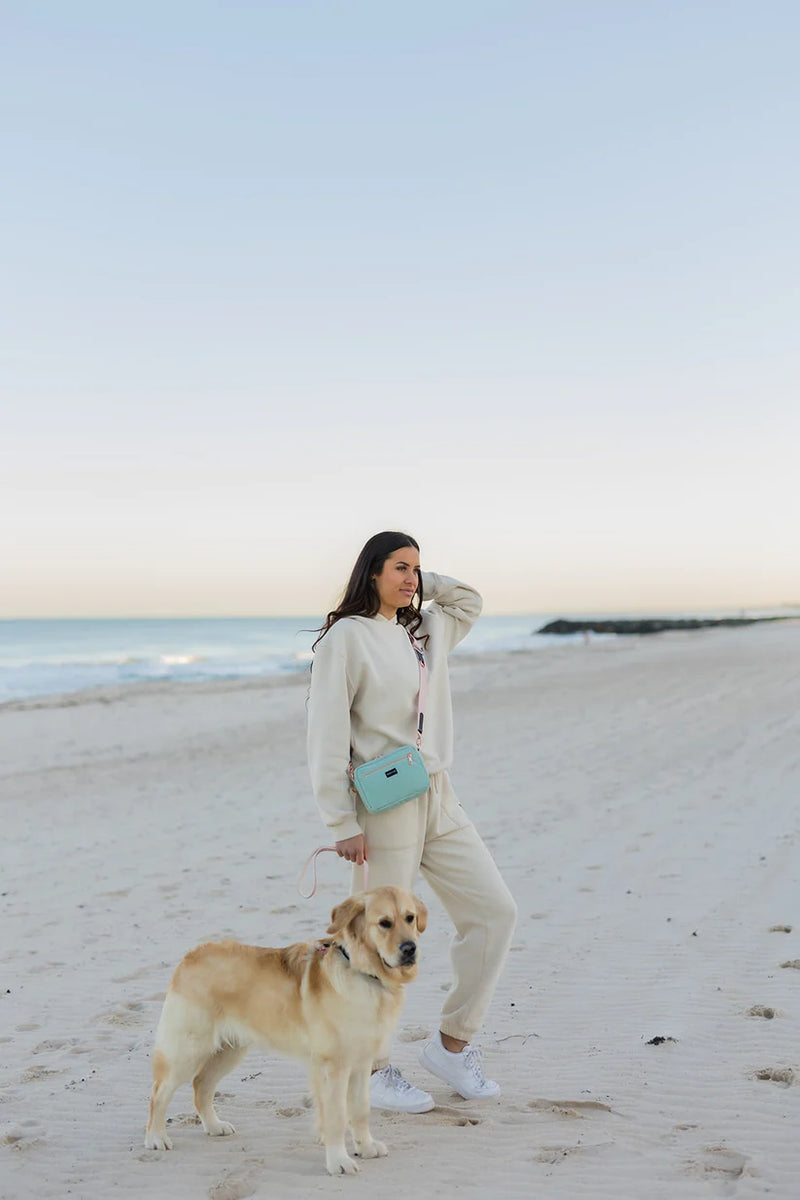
[
  {"x": 56, "y": 667},
  {"x": 114, "y": 693},
  {"x": 106, "y": 694}
]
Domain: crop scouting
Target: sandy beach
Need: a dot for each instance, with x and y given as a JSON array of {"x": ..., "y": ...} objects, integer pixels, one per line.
[{"x": 641, "y": 798}]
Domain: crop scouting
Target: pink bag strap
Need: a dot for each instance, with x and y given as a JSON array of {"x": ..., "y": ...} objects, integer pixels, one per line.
[
  {"x": 312, "y": 858},
  {"x": 423, "y": 686}
]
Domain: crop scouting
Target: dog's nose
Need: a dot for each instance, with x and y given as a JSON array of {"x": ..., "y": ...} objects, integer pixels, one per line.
[{"x": 408, "y": 949}]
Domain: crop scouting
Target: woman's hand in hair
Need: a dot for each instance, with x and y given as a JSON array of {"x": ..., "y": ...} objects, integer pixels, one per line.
[{"x": 354, "y": 849}]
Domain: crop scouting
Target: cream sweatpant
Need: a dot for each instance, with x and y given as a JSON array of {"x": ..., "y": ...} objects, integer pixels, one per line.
[{"x": 434, "y": 836}]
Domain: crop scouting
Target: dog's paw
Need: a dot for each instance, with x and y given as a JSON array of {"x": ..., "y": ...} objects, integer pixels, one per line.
[
  {"x": 220, "y": 1129},
  {"x": 157, "y": 1141},
  {"x": 372, "y": 1149},
  {"x": 339, "y": 1162}
]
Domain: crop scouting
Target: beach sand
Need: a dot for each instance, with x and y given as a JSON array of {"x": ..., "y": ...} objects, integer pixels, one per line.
[{"x": 641, "y": 798}]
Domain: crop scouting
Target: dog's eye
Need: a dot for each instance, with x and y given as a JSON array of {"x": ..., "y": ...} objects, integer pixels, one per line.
[
  {"x": 385, "y": 923},
  {"x": 410, "y": 918}
]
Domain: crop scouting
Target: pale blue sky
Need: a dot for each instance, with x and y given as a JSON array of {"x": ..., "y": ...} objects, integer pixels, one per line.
[{"x": 521, "y": 278}]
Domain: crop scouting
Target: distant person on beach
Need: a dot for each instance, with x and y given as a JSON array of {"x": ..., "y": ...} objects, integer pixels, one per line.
[{"x": 365, "y": 682}]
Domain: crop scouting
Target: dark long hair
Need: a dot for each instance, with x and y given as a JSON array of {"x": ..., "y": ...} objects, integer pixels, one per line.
[{"x": 361, "y": 598}]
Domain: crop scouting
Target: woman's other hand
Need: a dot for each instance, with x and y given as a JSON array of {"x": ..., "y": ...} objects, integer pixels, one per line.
[{"x": 354, "y": 849}]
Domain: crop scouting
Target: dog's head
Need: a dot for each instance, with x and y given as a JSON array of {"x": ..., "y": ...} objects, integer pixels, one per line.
[{"x": 380, "y": 930}]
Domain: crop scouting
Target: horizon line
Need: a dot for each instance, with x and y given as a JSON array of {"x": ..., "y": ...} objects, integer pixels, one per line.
[{"x": 566, "y": 612}]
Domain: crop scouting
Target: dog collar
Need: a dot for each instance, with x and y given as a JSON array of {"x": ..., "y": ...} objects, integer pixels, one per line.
[{"x": 345, "y": 955}]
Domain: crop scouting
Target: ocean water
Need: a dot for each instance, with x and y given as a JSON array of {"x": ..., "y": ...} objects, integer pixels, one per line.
[
  {"x": 51, "y": 657},
  {"x": 54, "y": 657}
]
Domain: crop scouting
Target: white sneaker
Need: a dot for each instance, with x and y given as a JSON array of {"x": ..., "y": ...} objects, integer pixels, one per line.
[
  {"x": 463, "y": 1071},
  {"x": 388, "y": 1089}
]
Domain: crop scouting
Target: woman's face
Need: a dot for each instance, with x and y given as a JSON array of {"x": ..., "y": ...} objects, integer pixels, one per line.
[{"x": 398, "y": 580}]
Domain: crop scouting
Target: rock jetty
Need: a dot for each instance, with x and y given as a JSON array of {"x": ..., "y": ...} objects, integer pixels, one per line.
[{"x": 648, "y": 625}]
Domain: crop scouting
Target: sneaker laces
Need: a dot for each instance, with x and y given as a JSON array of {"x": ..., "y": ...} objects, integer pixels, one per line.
[
  {"x": 395, "y": 1080},
  {"x": 472, "y": 1061}
]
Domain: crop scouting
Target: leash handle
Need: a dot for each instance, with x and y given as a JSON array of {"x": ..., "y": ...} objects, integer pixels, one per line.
[{"x": 312, "y": 859}]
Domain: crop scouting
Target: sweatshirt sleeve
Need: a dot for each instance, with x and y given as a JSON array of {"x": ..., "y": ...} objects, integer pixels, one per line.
[
  {"x": 329, "y": 736},
  {"x": 457, "y": 604}
]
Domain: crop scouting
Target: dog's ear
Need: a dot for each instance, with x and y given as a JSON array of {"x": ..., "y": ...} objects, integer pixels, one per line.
[
  {"x": 345, "y": 913},
  {"x": 422, "y": 915}
]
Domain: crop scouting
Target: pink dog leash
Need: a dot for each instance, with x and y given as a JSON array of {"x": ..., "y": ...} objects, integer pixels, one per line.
[{"x": 313, "y": 859}]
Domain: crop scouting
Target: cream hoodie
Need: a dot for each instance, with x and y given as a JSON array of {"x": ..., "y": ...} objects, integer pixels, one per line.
[{"x": 364, "y": 693}]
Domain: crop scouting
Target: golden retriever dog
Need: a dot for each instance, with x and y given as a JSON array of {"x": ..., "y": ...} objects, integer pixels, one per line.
[{"x": 335, "y": 1003}]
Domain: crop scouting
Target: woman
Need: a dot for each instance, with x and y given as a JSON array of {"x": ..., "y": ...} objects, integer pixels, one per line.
[{"x": 363, "y": 703}]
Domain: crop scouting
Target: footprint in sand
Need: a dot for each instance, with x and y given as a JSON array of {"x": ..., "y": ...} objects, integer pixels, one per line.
[
  {"x": 569, "y": 1108},
  {"x": 447, "y": 1114},
  {"x": 555, "y": 1154},
  {"x": 54, "y": 1044},
  {"x": 780, "y": 929},
  {"x": 783, "y": 1075},
  {"x": 794, "y": 963},
  {"x": 33, "y": 1073},
  {"x": 235, "y": 1187},
  {"x": 129, "y": 1014},
  {"x": 414, "y": 1033},
  {"x": 721, "y": 1160},
  {"x": 762, "y": 1010},
  {"x": 21, "y": 1135},
  {"x": 290, "y": 1112},
  {"x": 181, "y": 1119}
]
